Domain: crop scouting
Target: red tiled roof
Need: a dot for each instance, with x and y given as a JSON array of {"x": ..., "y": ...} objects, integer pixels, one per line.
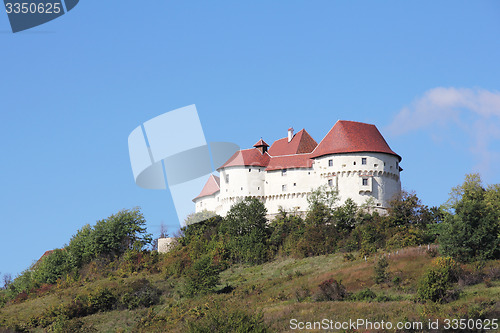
[
  {"x": 290, "y": 162},
  {"x": 247, "y": 157},
  {"x": 350, "y": 136},
  {"x": 261, "y": 143},
  {"x": 46, "y": 253},
  {"x": 301, "y": 143},
  {"x": 211, "y": 186}
]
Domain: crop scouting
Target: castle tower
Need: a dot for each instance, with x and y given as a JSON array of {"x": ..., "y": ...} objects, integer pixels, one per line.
[{"x": 262, "y": 146}]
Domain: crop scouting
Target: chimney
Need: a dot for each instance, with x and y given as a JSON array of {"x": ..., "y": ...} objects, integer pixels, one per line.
[{"x": 290, "y": 134}]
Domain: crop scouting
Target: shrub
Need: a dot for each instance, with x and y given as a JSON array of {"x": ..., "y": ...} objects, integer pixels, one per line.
[
  {"x": 302, "y": 293},
  {"x": 396, "y": 281},
  {"x": 202, "y": 277},
  {"x": 405, "y": 237},
  {"x": 51, "y": 267},
  {"x": 140, "y": 293},
  {"x": 364, "y": 295},
  {"x": 221, "y": 320},
  {"x": 331, "y": 290},
  {"x": 101, "y": 300},
  {"x": 317, "y": 240},
  {"x": 177, "y": 262},
  {"x": 435, "y": 284},
  {"x": 349, "y": 257},
  {"x": 381, "y": 271}
]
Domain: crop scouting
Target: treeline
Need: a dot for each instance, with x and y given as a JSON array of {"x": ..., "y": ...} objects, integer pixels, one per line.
[
  {"x": 107, "y": 240},
  {"x": 467, "y": 227}
]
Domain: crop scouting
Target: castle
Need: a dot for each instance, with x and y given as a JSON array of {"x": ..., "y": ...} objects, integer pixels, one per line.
[{"x": 352, "y": 158}]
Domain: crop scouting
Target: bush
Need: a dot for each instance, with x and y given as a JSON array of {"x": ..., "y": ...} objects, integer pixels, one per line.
[
  {"x": 51, "y": 268},
  {"x": 381, "y": 271},
  {"x": 317, "y": 240},
  {"x": 331, "y": 290},
  {"x": 101, "y": 300},
  {"x": 436, "y": 283},
  {"x": 140, "y": 293},
  {"x": 202, "y": 277},
  {"x": 364, "y": 295},
  {"x": 221, "y": 320},
  {"x": 177, "y": 262}
]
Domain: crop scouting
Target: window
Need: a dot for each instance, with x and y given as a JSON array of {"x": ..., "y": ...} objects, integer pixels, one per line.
[
  {"x": 294, "y": 184},
  {"x": 283, "y": 172},
  {"x": 242, "y": 188},
  {"x": 330, "y": 182},
  {"x": 283, "y": 188},
  {"x": 227, "y": 178},
  {"x": 250, "y": 170},
  {"x": 258, "y": 187},
  {"x": 363, "y": 160},
  {"x": 365, "y": 181},
  {"x": 396, "y": 165},
  {"x": 330, "y": 162},
  {"x": 354, "y": 162},
  {"x": 375, "y": 165}
]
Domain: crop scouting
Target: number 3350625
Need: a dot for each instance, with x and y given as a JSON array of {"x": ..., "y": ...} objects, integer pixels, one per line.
[{"x": 33, "y": 8}]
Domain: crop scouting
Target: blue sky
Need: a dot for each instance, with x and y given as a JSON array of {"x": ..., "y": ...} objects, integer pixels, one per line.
[{"x": 425, "y": 73}]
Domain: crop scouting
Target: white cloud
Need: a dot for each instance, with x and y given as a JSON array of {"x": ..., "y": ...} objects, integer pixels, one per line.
[{"x": 475, "y": 112}]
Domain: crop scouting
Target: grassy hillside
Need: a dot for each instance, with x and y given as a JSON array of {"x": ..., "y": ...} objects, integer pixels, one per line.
[
  {"x": 272, "y": 294},
  {"x": 339, "y": 267}
]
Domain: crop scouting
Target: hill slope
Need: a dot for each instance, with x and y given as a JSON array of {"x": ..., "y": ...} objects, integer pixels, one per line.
[{"x": 284, "y": 292}]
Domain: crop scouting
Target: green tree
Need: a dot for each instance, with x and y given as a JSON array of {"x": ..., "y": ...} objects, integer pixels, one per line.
[
  {"x": 245, "y": 229},
  {"x": 51, "y": 267},
  {"x": 119, "y": 232},
  {"x": 407, "y": 209},
  {"x": 345, "y": 215},
  {"x": 79, "y": 247},
  {"x": 286, "y": 230},
  {"x": 323, "y": 196},
  {"x": 470, "y": 231}
]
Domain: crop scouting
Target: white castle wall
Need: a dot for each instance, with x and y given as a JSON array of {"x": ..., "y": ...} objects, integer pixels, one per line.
[
  {"x": 290, "y": 189},
  {"x": 348, "y": 171},
  {"x": 238, "y": 182},
  {"x": 210, "y": 202}
]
